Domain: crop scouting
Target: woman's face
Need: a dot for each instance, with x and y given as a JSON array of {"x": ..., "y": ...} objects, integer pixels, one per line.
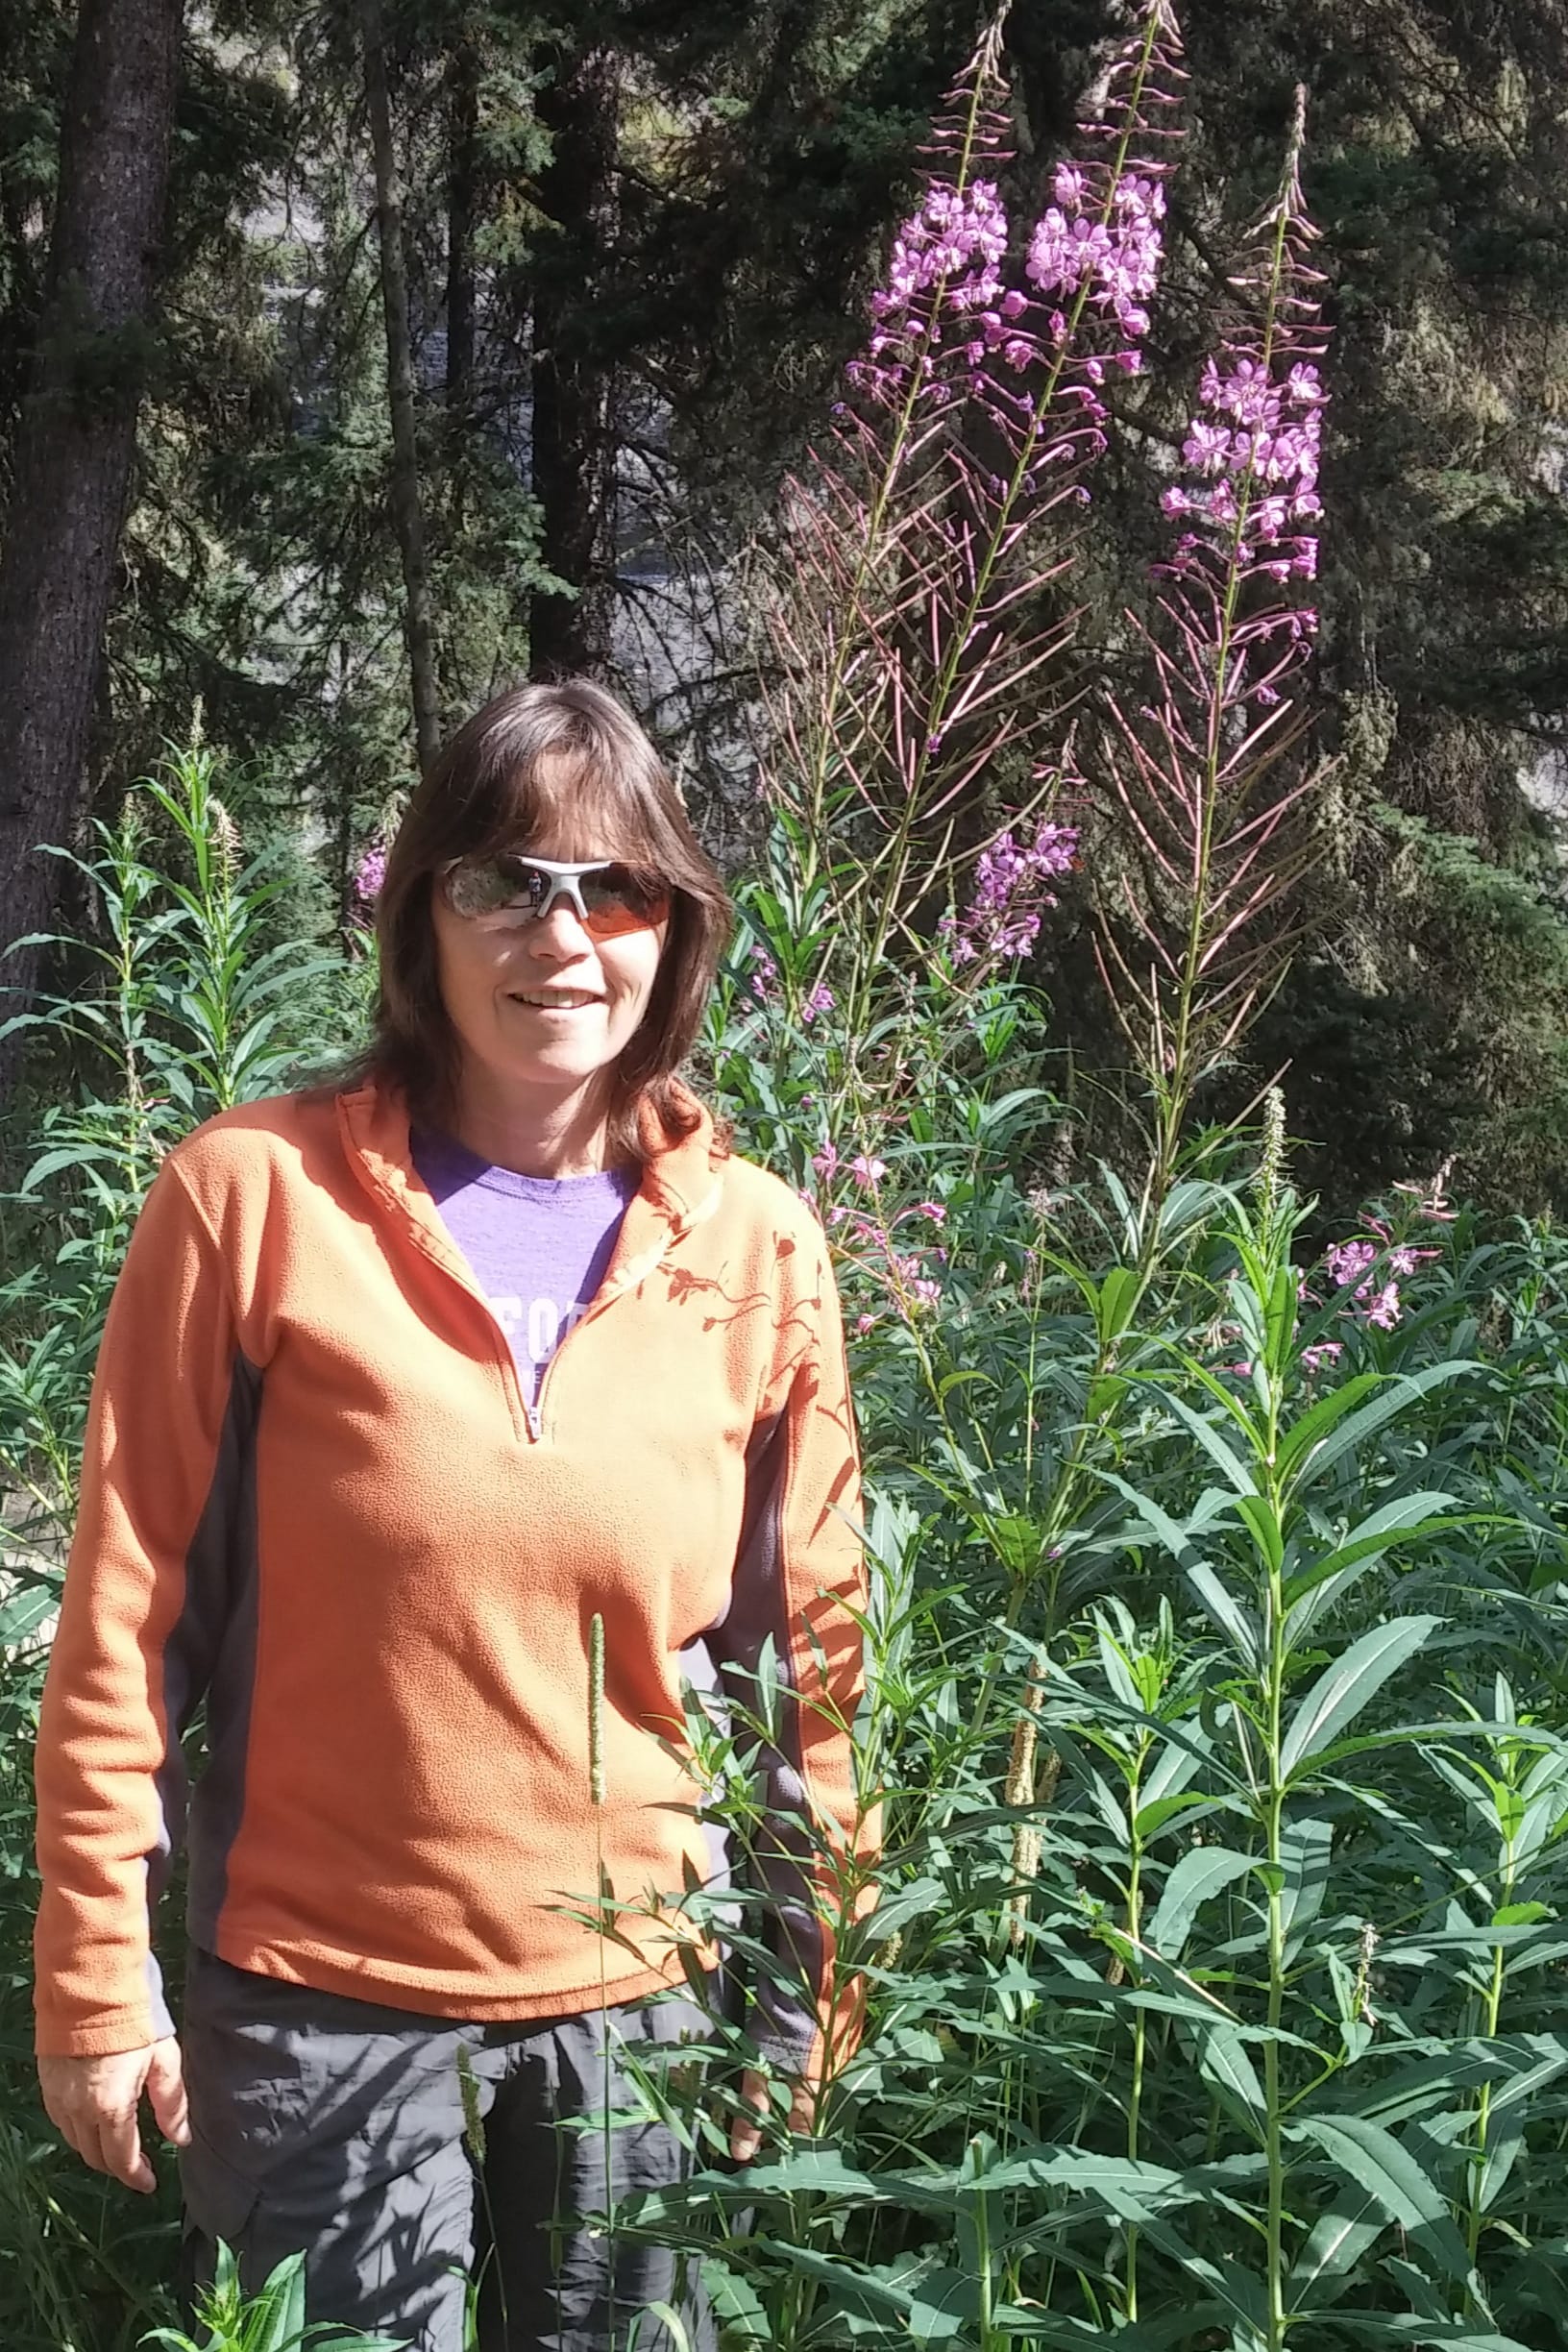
[{"x": 541, "y": 1010}]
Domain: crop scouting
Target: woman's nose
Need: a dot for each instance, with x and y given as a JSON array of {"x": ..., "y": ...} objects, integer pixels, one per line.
[{"x": 559, "y": 935}]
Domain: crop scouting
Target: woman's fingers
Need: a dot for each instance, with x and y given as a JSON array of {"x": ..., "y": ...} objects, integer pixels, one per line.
[
  {"x": 92, "y": 2104},
  {"x": 120, "y": 2151},
  {"x": 166, "y": 2091},
  {"x": 746, "y": 2134},
  {"x": 746, "y": 2129}
]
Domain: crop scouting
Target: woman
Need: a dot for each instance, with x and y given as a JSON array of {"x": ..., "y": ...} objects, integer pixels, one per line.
[{"x": 402, "y": 1388}]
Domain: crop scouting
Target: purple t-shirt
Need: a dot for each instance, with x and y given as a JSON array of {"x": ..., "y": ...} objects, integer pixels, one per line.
[{"x": 538, "y": 1246}]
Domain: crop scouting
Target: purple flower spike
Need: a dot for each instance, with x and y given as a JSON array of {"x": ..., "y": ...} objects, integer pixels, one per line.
[
  {"x": 1187, "y": 959},
  {"x": 1012, "y": 887},
  {"x": 370, "y": 875}
]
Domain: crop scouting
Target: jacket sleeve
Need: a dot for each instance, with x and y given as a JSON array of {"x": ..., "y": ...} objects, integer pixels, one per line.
[
  {"x": 139, "y": 1624},
  {"x": 799, "y": 1577}
]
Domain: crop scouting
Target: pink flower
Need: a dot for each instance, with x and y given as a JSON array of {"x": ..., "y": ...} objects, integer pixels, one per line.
[
  {"x": 1347, "y": 1262},
  {"x": 1117, "y": 261},
  {"x": 868, "y": 1172},
  {"x": 933, "y": 1209},
  {"x": 1206, "y": 447},
  {"x": 865, "y": 1323},
  {"x": 1011, "y": 886},
  {"x": 765, "y": 971},
  {"x": 1384, "y": 1309},
  {"x": 820, "y": 1000},
  {"x": 370, "y": 875},
  {"x": 826, "y": 1162},
  {"x": 954, "y": 245},
  {"x": 1328, "y": 1351}
]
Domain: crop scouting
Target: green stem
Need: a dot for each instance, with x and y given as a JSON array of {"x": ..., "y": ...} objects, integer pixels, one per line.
[
  {"x": 1492, "y": 2011},
  {"x": 1141, "y": 2028},
  {"x": 1274, "y": 1828}
]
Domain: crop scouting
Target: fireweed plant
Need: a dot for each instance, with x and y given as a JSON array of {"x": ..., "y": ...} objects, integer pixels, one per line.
[
  {"x": 916, "y": 618},
  {"x": 1196, "y": 769},
  {"x": 1039, "y": 1342}
]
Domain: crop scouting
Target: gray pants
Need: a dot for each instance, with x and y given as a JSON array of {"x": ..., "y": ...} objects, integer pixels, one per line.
[{"x": 336, "y": 2127}]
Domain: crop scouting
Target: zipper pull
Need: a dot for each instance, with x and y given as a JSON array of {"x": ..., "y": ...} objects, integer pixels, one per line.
[{"x": 532, "y": 1412}]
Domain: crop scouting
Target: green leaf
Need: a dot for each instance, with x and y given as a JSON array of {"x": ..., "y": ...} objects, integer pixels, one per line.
[
  {"x": 1235, "y": 1470},
  {"x": 1116, "y": 1302},
  {"x": 1424, "y": 2082},
  {"x": 1409, "y": 1516},
  {"x": 1402, "y": 1389},
  {"x": 1238, "y": 1624},
  {"x": 1341, "y": 1691},
  {"x": 1305, "y": 1847},
  {"x": 1412, "y": 2333},
  {"x": 1154, "y": 1817},
  {"x": 1382, "y": 2165},
  {"x": 1317, "y": 1422},
  {"x": 1223, "y": 2061},
  {"x": 24, "y": 1610},
  {"x": 1206, "y": 1872},
  {"x": 1161, "y": 1525},
  {"x": 1338, "y": 2238},
  {"x": 1263, "y": 1520}
]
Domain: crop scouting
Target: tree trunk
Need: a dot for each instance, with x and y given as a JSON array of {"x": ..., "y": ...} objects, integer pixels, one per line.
[
  {"x": 76, "y": 446},
  {"x": 462, "y": 205},
  {"x": 574, "y": 453},
  {"x": 407, "y": 514}
]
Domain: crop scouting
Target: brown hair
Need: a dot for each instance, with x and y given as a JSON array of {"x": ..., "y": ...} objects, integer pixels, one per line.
[{"x": 545, "y": 763}]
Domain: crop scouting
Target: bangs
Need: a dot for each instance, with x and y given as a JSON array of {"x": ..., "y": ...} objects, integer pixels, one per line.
[{"x": 565, "y": 803}]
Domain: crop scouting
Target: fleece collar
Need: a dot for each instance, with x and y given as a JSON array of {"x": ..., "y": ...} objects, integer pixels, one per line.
[{"x": 680, "y": 1182}]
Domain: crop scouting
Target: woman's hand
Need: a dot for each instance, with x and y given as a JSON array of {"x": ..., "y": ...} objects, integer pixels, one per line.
[
  {"x": 92, "y": 2104},
  {"x": 745, "y": 2136}
]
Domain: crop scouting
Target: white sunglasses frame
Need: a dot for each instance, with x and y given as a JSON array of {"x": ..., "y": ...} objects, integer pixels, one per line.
[{"x": 565, "y": 881}]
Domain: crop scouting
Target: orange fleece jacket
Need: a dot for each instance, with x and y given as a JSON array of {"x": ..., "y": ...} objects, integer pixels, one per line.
[{"x": 312, "y": 1496}]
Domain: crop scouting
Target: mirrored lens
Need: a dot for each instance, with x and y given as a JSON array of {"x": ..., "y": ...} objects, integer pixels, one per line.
[
  {"x": 511, "y": 890},
  {"x": 618, "y": 898},
  {"x": 477, "y": 887}
]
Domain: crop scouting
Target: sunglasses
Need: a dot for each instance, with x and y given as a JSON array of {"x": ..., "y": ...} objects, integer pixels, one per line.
[{"x": 504, "y": 892}]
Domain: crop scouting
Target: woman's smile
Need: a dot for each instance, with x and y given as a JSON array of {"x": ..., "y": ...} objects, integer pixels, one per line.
[{"x": 574, "y": 1000}]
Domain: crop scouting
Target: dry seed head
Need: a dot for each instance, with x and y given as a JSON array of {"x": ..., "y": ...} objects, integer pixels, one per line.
[
  {"x": 596, "y": 1710},
  {"x": 1021, "y": 1767},
  {"x": 1271, "y": 1170},
  {"x": 1041, "y": 1202},
  {"x": 1025, "y": 1866},
  {"x": 225, "y": 833},
  {"x": 1369, "y": 1942}
]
